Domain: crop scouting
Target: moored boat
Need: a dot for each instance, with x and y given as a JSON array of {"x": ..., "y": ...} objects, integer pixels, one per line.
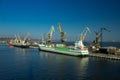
[
  {"x": 21, "y": 45},
  {"x": 18, "y": 42},
  {"x": 65, "y": 50},
  {"x": 77, "y": 50}
]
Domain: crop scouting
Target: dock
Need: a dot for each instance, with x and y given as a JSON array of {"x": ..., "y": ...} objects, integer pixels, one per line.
[{"x": 105, "y": 56}]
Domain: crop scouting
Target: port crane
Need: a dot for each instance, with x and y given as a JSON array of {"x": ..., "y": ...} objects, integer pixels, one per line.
[
  {"x": 99, "y": 35},
  {"x": 101, "y": 30},
  {"x": 84, "y": 33},
  {"x": 80, "y": 44},
  {"x": 62, "y": 33},
  {"x": 50, "y": 33}
]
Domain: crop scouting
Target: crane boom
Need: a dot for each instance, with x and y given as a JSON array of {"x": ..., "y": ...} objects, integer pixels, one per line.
[
  {"x": 16, "y": 39},
  {"x": 26, "y": 36},
  {"x": 99, "y": 35},
  {"x": 19, "y": 38},
  {"x": 62, "y": 33},
  {"x": 83, "y": 35},
  {"x": 79, "y": 44},
  {"x": 15, "y": 36},
  {"x": 50, "y": 34},
  {"x": 59, "y": 27}
]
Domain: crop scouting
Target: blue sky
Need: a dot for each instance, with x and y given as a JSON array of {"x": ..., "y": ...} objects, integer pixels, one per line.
[{"x": 37, "y": 16}]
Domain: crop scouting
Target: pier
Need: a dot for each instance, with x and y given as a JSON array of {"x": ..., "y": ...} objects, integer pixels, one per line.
[{"x": 105, "y": 56}]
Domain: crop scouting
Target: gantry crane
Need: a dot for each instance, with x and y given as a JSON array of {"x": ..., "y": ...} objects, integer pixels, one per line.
[{"x": 62, "y": 33}]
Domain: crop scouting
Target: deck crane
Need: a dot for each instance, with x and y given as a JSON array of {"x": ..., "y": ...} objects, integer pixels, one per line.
[
  {"x": 16, "y": 39},
  {"x": 19, "y": 38},
  {"x": 80, "y": 44},
  {"x": 62, "y": 33},
  {"x": 50, "y": 33},
  {"x": 24, "y": 40}
]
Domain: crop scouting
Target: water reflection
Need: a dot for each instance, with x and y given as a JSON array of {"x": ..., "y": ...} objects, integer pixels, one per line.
[
  {"x": 63, "y": 66},
  {"x": 21, "y": 50},
  {"x": 30, "y": 64}
]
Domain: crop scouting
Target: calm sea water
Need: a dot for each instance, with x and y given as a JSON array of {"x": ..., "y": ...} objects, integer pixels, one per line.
[{"x": 30, "y": 64}]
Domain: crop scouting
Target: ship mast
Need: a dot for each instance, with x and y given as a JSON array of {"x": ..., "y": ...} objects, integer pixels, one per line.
[{"x": 62, "y": 33}]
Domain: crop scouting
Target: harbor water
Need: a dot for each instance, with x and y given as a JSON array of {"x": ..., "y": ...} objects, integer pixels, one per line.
[{"x": 32, "y": 64}]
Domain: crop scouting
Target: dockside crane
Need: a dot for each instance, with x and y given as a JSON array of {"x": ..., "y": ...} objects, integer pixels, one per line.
[
  {"x": 50, "y": 33},
  {"x": 79, "y": 44},
  {"x": 99, "y": 36},
  {"x": 101, "y": 30},
  {"x": 83, "y": 35},
  {"x": 62, "y": 33}
]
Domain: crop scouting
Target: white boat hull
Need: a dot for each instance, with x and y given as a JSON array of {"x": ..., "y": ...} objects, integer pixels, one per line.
[{"x": 66, "y": 52}]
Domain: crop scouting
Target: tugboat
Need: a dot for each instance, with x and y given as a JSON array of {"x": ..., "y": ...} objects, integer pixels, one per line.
[{"x": 78, "y": 50}]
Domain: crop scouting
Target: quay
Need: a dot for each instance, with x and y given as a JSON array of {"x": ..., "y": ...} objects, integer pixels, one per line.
[{"x": 105, "y": 56}]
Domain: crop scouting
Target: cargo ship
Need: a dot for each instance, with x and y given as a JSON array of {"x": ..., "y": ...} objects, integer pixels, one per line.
[
  {"x": 18, "y": 42},
  {"x": 61, "y": 49},
  {"x": 77, "y": 50}
]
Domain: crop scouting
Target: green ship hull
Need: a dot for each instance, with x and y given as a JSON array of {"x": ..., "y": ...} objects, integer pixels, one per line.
[{"x": 66, "y": 51}]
